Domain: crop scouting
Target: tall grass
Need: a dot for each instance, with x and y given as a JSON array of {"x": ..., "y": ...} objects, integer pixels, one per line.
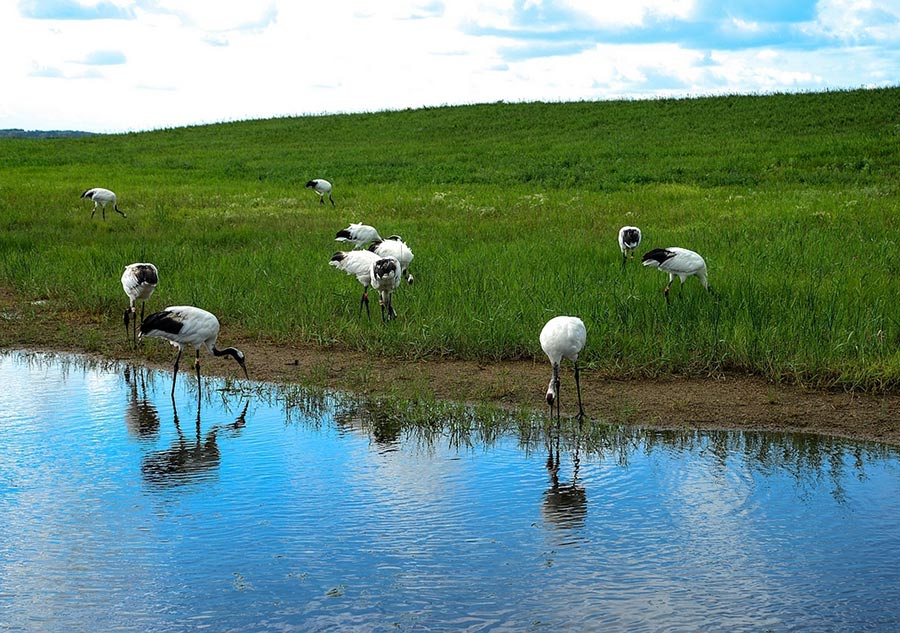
[{"x": 512, "y": 212}]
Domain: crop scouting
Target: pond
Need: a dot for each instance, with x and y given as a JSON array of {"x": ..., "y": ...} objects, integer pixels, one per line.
[{"x": 275, "y": 508}]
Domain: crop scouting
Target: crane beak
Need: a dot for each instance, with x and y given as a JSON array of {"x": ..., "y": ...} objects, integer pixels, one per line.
[{"x": 244, "y": 367}]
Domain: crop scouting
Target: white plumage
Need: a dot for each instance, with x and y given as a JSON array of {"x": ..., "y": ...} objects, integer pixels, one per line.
[
  {"x": 139, "y": 281},
  {"x": 679, "y": 262},
  {"x": 359, "y": 235},
  {"x": 358, "y": 264},
  {"x": 563, "y": 337},
  {"x": 321, "y": 187},
  {"x": 187, "y": 325},
  {"x": 395, "y": 247},
  {"x": 102, "y": 197},
  {"x": 629, "y": 240},
  {"x": 385, "y": 276}
]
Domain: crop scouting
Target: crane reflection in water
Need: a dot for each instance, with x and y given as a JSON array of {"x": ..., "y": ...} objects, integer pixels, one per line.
[
  {"x": 564, "y": 503},
  {"x": 192, "y": 457},
  {"x": 141, "y": 416}
]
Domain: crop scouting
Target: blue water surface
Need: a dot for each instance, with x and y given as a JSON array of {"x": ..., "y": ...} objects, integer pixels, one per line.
[{"x": 254, "y": 510}]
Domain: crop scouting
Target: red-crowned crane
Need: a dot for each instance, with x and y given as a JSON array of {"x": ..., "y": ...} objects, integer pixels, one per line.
[
  {"x": 102, "y": 197},
  {"x": 187, "y": 325},
  {"x": 563, "y": 337},
  {"x": 358, "y": 264},
  {"x": 321, "y": 187},
  {"x": 680, "y": 262},
  {"x": 395, "y": 247},
  {"x": 139, "y": 281},
  {"x": 360, "y": 235},
  {"x": 629, "y": 240},
  {"x": 385, "y": 275}
]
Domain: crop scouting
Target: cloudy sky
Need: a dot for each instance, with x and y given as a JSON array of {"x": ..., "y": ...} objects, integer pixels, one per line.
[{"x": 123, "y": 65}]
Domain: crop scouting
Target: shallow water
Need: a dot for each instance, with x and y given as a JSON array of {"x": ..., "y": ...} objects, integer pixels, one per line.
[{"x": 284, "y": 510}]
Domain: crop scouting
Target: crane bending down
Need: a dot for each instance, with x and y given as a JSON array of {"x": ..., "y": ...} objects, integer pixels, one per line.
[
  {"x": 680, "y": 262},
  {"x": 139, "y": 281},
  {"x": 563, "y": 337},
  {"x": 102, "y": 197},
  {"x": 395, "y": 247},
  {"x": 359, "y": 235},
  {"x": 187, "y": 325},
  {"x": 629, "y": 240},
  {"x": 385, "y": 277},
  {"x": 358, "y": 264},
  {"x": 321, "y": 187}
]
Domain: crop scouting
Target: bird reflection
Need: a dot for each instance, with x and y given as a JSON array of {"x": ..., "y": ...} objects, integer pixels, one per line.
[
  {"x": 141, "y": 416},
  {"x": 564, "y": 504},
  {"x": 189, "y": 459}
]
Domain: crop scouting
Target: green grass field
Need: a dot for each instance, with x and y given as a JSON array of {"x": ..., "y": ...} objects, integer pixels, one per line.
[{"x": 512, "y": 211}]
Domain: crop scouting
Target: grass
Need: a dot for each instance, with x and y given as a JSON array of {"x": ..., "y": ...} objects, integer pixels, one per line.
[{"x": 512, "y": 211}]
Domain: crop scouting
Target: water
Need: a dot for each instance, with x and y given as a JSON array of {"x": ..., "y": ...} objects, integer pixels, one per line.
[{"x": 277, "y": 510}]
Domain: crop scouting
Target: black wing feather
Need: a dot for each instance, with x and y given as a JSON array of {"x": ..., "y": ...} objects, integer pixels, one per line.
[
  {"x": 658, "y": 254},
  {"x": 162, "y": 321}
]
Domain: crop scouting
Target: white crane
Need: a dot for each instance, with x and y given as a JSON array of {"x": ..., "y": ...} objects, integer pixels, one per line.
[
  {"x": 358, "y": 264},
  {"x": 187, "y": 325},
  {"x": 321, "y": 187},
  {"x": 385, "y": 276},
  {"x": 139, "y": 281},
  {"x": 680, "y": 262},
  {"x": 102, "y": 197},
  {"x": 359, "y": 235},
  {"x": 563, "y": 337},
  {"x": 395, "y": 247},
  {"x": 629, "y": 240}
]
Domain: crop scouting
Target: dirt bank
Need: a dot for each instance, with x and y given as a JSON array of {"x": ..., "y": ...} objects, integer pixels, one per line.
[{"x": 728, "y": 401}]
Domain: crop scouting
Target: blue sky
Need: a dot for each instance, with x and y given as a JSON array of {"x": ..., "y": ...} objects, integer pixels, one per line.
[{"x": 124, "y": 65}]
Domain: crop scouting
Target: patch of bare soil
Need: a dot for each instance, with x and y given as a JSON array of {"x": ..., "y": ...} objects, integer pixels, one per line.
[
  {"x": 731, "y": 401},
  {"x": 726, "y": 402}
]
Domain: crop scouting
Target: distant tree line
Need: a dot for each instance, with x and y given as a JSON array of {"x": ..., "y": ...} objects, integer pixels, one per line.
[{"x": 17, "y": 133}]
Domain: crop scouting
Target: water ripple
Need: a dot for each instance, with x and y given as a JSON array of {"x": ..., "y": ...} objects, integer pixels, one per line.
[{"x": 125, "y": 509}]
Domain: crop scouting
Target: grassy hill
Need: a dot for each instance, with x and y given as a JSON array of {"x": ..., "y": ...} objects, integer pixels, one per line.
[{"x": 512, "y": 211}]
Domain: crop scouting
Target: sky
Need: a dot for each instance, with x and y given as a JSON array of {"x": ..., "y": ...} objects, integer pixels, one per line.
[{"x": 133, "y": 65}]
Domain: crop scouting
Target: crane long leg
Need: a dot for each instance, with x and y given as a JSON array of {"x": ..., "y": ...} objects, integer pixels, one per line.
[
  {"x": 197, "y": 365},
  {"x": 143, "y": 305},
  {"x": 556, "y": 385},
  {"x": 578, "y": 387},
  {"x": 125, "y": 317},
  {"x": 175, "y": 375},
  {"x": 365, "y": 301}
]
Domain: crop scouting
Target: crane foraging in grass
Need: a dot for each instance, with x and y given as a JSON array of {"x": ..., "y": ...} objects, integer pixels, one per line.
[
  {"x": 187, "y": 325},
  {"x": 395, "y": 247},
  {"x": 358, "y": 264},
  {"x": 629, "y": 240},
  {"x": 360, "y": 235},
  {"x": 677, "y": 261},
  {"x": 563, "y": 337},
  {"x": 321, "y": 187},
  {"x": 385, "y": 276},
  {"x": 102, "y": 197},
  {"x": 139, "y": 281}
]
